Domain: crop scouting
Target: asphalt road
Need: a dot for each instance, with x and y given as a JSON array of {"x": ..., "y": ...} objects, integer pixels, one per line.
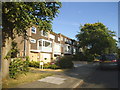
[{"x": 94, "y": 77}]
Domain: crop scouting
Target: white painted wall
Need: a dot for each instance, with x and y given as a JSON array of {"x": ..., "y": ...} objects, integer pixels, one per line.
[
  {"x": 57, "y": 48},
  {"x": 52, "y": 36},
  {"x": 47, "y": 56}
]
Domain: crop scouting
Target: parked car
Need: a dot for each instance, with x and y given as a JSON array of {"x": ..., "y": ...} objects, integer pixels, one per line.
[
  {"x": 97, "y": 59},
  {"x": 108, "y": 61}
]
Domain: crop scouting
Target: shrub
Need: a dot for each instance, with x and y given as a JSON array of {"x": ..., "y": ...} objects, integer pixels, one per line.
[
  {"x": 18, "y": 66},
  {"x": 79, "y": 57},
  {"x": 47, "y": 65},
  {"x": 34, "y": 64},
  {"x": 51, "y": 65},
  {"x": 89, "y": 57},
  {"x": 54, "y": 66},
  {"x": 65, "y": 62}
]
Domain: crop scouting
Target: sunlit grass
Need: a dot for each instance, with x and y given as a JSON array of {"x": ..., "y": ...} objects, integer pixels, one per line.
[
  {"x": 22, "y": 79},
  {"x": 56, "y": 70}
]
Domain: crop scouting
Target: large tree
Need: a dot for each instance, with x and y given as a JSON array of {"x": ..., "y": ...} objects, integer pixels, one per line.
[
  {"x": 17, "y": 17},
  {"x": 96, "y": 39}
]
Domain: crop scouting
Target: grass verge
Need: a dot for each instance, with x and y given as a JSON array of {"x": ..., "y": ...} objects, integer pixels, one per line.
[
  {"x": 55, "y": 70},
  {"x": 22, "y": 79}
]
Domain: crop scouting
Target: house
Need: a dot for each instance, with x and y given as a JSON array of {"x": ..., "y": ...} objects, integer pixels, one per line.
[{"x": 45, "y": 45}]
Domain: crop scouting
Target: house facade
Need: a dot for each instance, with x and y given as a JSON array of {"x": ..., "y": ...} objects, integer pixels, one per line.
[{"x": 45, "y": 45}]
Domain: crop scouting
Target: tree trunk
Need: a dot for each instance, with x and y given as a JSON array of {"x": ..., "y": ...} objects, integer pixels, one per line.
[{"x": 5, "y": 62}]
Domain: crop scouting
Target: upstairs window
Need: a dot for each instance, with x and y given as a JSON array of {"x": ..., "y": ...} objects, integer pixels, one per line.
[
  {"x": 58, "y": 38},
  {"x": 65, "y": 39},
  {"x": 47, "y": 44},
  {"x": 33, "y": 29},
  {"x": 44, "y": 33},
  {"x": 61, "y": 38}
]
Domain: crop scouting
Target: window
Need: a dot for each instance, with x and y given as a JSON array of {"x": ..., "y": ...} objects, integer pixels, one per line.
[
  {"x": 33, "y": 41},
  {"x": 47, "y": 44},
  {"x": 44, "y": 33},
  {"x": 40, "y": 43},
  {"x": 68, "y": 48},
  {"x": 70, "y": 42},
  {"x": 33, "y": 29},
  {"x": 58, "y": 38},
  {"x": 61, "y": 38},
  {"x": 65, "y": 39}
]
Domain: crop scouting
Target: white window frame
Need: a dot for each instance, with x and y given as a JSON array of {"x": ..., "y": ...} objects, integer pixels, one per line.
[
  {"x": 33, "y": 31},
  {"x": 44, "y": 35},
  {"x": 61, "y": 38},
  {"x": 58, "y": 38},
  {"x": 65, "y": 39},
  {"x": 34, "y": 41}
]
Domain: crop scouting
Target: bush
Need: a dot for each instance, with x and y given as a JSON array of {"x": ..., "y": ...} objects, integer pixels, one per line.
[
  {"x": 18, "y": 66},
  {"x": 54, "y": 66},
  {"x": 79, "y": 57},
  {"x": 34, "y": 64},
  {"x": 89, "y": 57},
  {"x": 65, "y": 62},
  {"x": 47, "y": 65},
  {"x": 51, "y": 65}
]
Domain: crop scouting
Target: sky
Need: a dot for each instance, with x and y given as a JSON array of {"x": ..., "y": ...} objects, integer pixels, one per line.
[{"x": 74, "y": 14}]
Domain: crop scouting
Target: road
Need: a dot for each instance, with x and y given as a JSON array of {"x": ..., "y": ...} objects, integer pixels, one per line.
[{"x": 94, "y": 77}]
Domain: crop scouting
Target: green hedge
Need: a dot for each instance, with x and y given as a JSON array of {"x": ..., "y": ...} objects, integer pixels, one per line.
[
  {"x": 34, "y": 64},
  {"x": 65, "y": 62},
  {"x": 18, "y": 66},
  {"x": 51, "y": 65}
]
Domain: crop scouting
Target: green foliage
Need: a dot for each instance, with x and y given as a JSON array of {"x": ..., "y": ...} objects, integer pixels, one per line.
[
  {"x": 13, "y": 52},
  {"x": 53, "y": 65},
  {"x": 79, "y": 57},
  {"x": 19, "y": 16},
  {"x": 96, "y": 39},
  {"x": 34, "y": 64},
  {"x": 48, "y": 65},
  {"x": 118, "y": 53},
  {"x": 18, "y": 66},
  {"x": 65, "y": 62},
  {"x": 27, "y": 58}
]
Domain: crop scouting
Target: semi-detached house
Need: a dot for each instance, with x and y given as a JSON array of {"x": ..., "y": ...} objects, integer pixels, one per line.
[{"x": 45, "y": 45}]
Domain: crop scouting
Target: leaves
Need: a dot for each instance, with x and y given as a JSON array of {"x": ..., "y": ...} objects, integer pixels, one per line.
[
  {"x": 19, "y": 16},
  {"x": 18, "y": 66},
  {"x": 96, "y": 39}
]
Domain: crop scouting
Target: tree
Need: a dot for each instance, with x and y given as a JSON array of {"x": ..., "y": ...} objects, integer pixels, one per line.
[
  {"x": 17, "y": 17},
  {"x": 96, "y": 39}
]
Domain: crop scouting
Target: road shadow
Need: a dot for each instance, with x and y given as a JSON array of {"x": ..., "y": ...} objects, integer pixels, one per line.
[{"x": 94, "y": 77}]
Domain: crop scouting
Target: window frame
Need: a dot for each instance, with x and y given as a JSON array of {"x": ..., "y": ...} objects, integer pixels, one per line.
[
  {"x": 33, "y": 28},
  {"x": 34, "y": 41}
]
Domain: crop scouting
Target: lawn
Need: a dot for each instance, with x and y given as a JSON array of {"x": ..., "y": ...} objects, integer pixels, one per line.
[
  {"x": 54, "y": 70},
  {"x": 22, "y": 79}
]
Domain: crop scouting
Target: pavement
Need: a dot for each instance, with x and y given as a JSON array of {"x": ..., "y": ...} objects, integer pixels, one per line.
[{"x": 55, "y": 81}]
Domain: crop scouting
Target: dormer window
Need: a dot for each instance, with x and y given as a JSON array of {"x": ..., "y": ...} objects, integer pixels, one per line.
[{"x": 33, "y": 29}]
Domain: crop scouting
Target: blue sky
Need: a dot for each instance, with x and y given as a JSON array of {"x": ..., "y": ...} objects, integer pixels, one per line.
[{"x": 72, "y": 14}]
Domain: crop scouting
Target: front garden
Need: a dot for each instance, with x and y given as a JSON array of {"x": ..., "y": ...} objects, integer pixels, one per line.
[{"x": 20, "y": 70}]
